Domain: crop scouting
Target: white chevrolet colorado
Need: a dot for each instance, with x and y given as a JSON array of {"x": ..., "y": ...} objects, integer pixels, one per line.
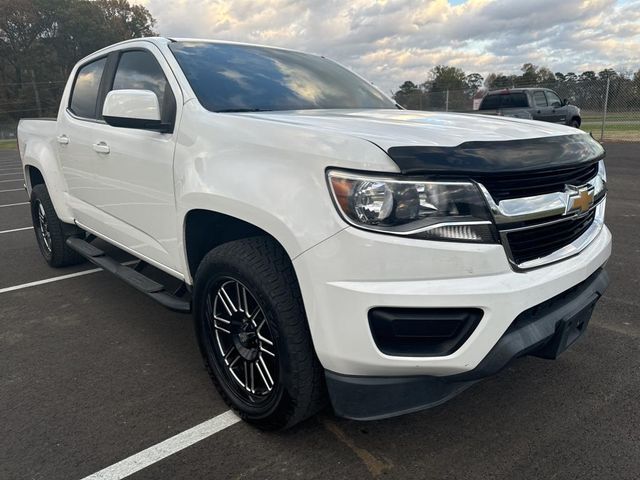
[{"x": 330, "y": 244}]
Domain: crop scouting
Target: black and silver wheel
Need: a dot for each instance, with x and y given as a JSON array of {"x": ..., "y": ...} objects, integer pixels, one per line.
[
  {"x": 253, "y": 333},
  {"x": 42, "y": 228},
  {"x": 244, "y": 343},
  {"x": 51, "y": 233}
]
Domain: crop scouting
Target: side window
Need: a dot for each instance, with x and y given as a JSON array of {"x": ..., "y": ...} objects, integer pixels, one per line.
[
  {"x": 515, "y": 100},
  {"x": 139, "y": 70},
  {"x": 539, "y": 99},
  {"x": 489, "y": 102},
  {"x": 84, "y": 95},
  {"x": 554, "y": 100}
]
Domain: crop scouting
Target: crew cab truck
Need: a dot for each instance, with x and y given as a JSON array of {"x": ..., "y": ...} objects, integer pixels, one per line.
[
  {"x": 535, "y": 103},
  {"x": 330, "y": 245}
]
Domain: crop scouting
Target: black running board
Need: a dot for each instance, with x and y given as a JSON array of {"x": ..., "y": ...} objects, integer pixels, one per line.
[{"x": 134, "y": 278}]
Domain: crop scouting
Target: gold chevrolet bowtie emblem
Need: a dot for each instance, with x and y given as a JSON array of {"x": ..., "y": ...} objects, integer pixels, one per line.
[{"x": 580, "y": 199}]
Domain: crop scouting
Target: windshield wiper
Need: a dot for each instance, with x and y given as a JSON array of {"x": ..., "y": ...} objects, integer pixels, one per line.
[{"x": 240, "y": 110}]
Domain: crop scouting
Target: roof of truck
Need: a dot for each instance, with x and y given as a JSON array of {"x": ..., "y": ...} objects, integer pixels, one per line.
[{"x": 516, "y": 90}]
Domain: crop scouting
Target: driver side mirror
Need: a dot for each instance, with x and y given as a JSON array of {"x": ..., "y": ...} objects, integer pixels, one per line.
[{"x": 133, "y": 109}]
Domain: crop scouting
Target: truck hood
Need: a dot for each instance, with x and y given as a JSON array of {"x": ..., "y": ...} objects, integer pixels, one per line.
[
  {"x": 436, "y": 142},
  {"x": 392, "y": 128}
]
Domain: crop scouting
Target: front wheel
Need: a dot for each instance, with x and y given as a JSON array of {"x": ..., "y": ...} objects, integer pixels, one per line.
[{"x": 253, "y": 334}]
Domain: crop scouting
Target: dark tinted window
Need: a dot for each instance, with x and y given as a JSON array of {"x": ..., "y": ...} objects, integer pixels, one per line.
[
  {"x": 139, "y": 70},
  {"x": 229, "y": 77},
  {"x": 505, "y": 100},
  {"x": 85, "y": 89},
  {"x": 514, "y": 100},
  {"x": 539, "y": 99},
  {"x": 490, "y": 102}
]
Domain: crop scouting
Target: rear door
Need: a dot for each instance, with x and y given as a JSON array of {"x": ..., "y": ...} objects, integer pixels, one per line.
[
  {"x": 76, "y": 128},
  {"x": 541, "y": 110},
  {"x": 134, "y": 172}
]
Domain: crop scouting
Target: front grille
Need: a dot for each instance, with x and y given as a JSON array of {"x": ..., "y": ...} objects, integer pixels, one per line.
[
  {"x": 538, "y": 242},
  {"x": 517, "y": 185}
]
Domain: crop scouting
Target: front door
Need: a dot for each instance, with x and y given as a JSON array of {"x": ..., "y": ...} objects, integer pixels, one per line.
[
  {"x": 134, "y": 195},
  {"x": 558, "y": 111},
  {"x": 541, "y": 109}
]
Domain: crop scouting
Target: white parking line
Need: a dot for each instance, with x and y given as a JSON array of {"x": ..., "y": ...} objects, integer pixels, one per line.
[
  {"x": 161, "y": 450},
  {"x": 14, "y": 204},
  {"x": 15, "y": 230},
  {"x": 12, "y": 190},
  {"x": 56, "y": 279}
]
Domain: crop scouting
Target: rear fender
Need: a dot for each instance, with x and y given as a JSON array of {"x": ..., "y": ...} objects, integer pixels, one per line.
[{"x": 40, "y": 154}]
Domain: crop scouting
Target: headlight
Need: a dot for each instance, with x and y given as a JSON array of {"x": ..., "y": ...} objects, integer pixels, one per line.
[
  {"x": 600, "y": 181},
  {"x": 419, "y": 209}
]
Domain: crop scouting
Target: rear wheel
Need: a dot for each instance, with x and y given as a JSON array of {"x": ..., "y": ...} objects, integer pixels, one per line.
[
  {"x": 253, "y": 333},
  {"x": 575, "y": 123},
  {"x": 51, "y": 233}
]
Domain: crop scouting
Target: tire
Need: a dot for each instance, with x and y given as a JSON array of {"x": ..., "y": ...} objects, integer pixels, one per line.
[
  {"x": 575, "y": 123},
  {"x": 232, "y": 282},
  {"x": 51, "y": 233}
]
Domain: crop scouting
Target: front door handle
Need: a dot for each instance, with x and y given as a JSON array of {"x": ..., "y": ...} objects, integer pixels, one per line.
[
  {"x": 101, "y": 147},
  {"x": 62, "y": 139}
]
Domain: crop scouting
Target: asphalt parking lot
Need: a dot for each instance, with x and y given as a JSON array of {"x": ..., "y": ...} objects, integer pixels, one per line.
[{"x": 93, "y": 372}]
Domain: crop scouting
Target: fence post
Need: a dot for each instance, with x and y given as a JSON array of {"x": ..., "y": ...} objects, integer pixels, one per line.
[
  {"x": 35, "y": 92},
  {"x": 604, "y": 113},
  {"x": 446, "y": 102}
]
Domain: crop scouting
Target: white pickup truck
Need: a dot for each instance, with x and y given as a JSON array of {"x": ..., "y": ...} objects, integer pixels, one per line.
[{"x": 331, "y": 245}]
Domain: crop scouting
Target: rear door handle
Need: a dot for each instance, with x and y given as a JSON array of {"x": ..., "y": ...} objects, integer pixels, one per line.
[
  {"x": 62, "y": 139},
  {"x": 101, "y": 147}
]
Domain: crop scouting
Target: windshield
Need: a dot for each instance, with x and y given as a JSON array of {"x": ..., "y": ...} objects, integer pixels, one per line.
[{"x": 228, "y": 77}]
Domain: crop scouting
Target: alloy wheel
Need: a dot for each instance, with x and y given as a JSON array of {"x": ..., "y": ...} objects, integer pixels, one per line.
[
  {"x": 45, "y": 235},
  {"x": 244, "y": 344}
]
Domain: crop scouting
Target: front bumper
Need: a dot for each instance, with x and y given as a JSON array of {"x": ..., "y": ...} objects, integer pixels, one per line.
[
  {"x": 545, "y": 330},
  {"x": 347, "y": 275}
]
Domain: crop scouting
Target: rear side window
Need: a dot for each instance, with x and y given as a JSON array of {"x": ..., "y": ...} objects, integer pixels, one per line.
[
  {"x": 514, "y": 100},
  {"x": 139, "y": 70},
  {"x": 85, "y": 89},
  {"x": 505, "y": 100},
  {"x": 539, "y": 99},
  {"x": 490, "y": 101}
]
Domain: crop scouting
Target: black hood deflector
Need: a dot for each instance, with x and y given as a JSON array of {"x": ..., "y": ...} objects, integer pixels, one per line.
[{"x": 499, "y": 156}]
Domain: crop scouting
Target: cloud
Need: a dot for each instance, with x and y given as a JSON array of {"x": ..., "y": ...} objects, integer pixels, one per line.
[{"x": 389, "y": 41}]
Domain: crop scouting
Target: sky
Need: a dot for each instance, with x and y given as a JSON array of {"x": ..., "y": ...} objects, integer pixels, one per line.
[{"x": 390, "y": 41}]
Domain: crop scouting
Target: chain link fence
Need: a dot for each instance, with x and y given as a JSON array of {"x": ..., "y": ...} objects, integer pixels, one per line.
[{"x": 610, "y": 108}]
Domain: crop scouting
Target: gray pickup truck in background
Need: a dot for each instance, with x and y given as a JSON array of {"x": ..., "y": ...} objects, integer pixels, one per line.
[{"x": 533, "y": 103}]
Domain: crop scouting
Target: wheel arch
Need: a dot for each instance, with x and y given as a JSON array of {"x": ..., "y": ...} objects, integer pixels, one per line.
[
  {"x": 205, "y": 230},
  {"x": 41, "y": 167}
]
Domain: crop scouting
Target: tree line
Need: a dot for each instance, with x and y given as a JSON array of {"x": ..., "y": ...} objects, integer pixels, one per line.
[
  {"x": 451, "y": 87},
  {"x": 41, "y": 40}
]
